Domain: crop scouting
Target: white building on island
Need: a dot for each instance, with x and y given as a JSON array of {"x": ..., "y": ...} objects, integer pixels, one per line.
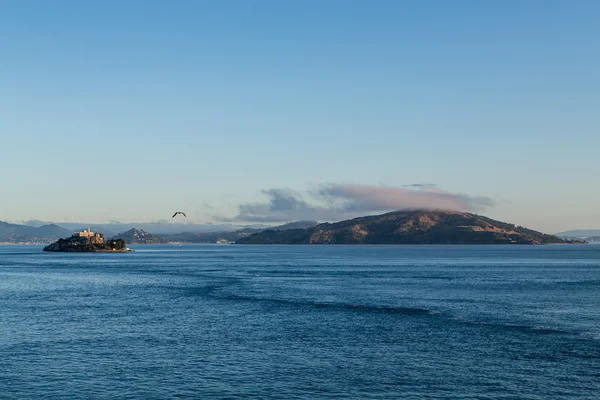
[{"x": 93, "y": 237}]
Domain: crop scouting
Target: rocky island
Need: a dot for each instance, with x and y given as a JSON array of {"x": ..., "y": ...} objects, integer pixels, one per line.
[
  {"x": 89, "y": 242},
  {"x": 409, "y": 227}
]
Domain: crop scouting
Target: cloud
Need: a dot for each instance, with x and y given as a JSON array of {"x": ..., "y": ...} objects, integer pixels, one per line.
[
  {"x": 283, "y": 205},
  {"x": 334, "y": 202},
  {"x": 421, "y": 185},
  {"x": 363, "y": 198}
]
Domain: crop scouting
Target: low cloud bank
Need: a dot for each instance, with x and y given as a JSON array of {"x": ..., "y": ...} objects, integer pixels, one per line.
[{"x": 334, "y": 202}]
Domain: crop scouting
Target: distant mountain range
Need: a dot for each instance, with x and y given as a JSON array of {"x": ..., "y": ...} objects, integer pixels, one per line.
[
  {"x": 581, "y": 233},
  {"x": 401, "y": 227},
  {"x": 17, "y": 233},
  {"x": 166, "y": 227},
  {"x": 14, "y": 233},
  {"x": 232, "y": 236},
  {"x": 408, "y": 227}
]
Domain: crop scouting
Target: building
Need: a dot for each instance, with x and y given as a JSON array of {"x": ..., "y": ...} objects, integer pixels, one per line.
[
  {"x": 85, "y": 234},
  {"x": 93, "y": 237}
]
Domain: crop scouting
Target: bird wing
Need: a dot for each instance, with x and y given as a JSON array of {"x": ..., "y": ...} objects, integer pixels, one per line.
[
  {"x": 174, "y": 215},
  {"x": 184, "y": 214}
]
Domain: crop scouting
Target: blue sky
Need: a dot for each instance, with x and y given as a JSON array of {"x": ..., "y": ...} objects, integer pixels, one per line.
[{"x": 149, "y": 107}]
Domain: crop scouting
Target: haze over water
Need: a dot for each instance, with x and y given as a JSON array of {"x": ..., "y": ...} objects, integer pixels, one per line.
[{"x": 351, "y": 322}]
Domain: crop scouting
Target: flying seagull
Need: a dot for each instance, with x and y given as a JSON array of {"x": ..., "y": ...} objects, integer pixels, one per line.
[{"x": 179, "y": 212}]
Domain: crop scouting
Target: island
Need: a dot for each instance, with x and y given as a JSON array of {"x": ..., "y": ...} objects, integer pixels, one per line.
[
  {"x": 88, "y": 242},
  {"x": 409, "y": 227}
]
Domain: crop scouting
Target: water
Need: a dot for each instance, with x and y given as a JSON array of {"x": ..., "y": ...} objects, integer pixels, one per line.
[{"x": 284, "y": 322}]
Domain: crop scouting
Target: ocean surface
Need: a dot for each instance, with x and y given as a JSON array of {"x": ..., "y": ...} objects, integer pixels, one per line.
[{"x": 301, "y": 322}]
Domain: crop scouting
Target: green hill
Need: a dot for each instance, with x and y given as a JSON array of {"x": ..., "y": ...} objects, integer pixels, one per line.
[{"x": 408, "y": 227}]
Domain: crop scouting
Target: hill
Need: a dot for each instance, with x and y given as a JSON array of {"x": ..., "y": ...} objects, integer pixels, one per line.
[
  {"x": 408, "y": 227},
  {"x": 294, "y": 225},
  {"x": 580, "y": 233},
  {"x": 233, "y": 236},
  {"x": 15, "y": 233},
  {"x": 139, "y": 236}
]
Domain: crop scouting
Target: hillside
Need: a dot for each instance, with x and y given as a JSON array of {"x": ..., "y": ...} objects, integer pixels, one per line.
[
  {"x": 580, "y": 233},
  {"x": 15, "y": 233},
  {"x": 139, "y": 236},
  {"x": 232, "y": 236},
  {"x": 408, "y": 227},
  {"x": 294, "y": 225}
]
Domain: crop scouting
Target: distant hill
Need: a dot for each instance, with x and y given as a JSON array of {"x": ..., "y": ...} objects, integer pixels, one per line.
[
  {"x": 580, "y": 233},
  {"x": 167, "y": 227},
  {"x": 592, "y": 239},
  {"x": 294, "y": 225},
  {"x": 233, "y": 236},
  {"x": 16, "y": 233},
  {"x": 408, "y": 227},
  {"x": 139, "y": 236}
]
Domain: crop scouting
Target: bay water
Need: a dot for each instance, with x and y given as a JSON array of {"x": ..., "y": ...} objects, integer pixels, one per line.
[{"x": 301, "y": 322}]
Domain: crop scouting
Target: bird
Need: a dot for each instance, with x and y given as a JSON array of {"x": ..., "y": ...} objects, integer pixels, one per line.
[{"x": 179, "y": 212}]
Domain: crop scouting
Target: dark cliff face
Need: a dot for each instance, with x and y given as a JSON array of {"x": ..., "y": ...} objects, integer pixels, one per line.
[
  {"x": 77, "y": 244},
  {"x": 408, "y": 227}
]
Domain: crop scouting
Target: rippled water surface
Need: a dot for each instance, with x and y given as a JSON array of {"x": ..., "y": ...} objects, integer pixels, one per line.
[{"x": 303, "y": 322}]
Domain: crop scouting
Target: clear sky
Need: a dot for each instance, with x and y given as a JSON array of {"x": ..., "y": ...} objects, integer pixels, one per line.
[{"x": 129, "y": 110}]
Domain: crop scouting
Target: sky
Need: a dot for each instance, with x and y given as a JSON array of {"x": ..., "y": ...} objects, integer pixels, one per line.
[{"x": 247, "y": 112}]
